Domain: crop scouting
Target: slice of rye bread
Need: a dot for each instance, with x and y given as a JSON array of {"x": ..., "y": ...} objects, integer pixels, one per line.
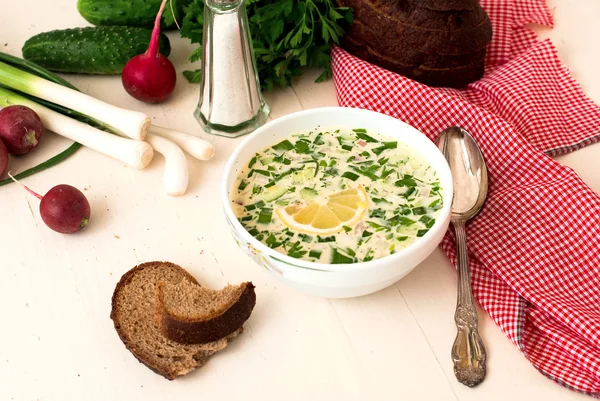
[
  {"x": 406, "y": 56},
  {"x": 191, "y": 314},
  {"x": 441, "y": 77},
  {"x": 446, "y": 5},
  {"x": 404, "y": 35},
  {"x": 417, "y": 16},
  {"x": 133, "y": 317}
]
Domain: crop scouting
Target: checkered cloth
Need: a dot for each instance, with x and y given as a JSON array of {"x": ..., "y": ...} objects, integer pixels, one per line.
[{"x": 535, "y": 247}]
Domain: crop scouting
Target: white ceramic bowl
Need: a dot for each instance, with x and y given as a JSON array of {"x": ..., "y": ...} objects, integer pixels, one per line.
[{"x": 339, "y": 280}]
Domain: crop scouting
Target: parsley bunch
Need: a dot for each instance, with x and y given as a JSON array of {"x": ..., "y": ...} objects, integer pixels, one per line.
[{"x": 288, "y": 36}]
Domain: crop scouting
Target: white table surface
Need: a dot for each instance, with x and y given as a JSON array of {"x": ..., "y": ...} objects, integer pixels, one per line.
[{"x": 57, "y": 342}]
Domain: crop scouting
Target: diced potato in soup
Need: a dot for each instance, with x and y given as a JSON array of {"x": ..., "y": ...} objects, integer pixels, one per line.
[{"x": 337, "y": 196}]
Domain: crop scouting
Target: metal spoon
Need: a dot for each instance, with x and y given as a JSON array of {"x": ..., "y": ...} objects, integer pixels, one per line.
[{"x": 470, "y": 179}]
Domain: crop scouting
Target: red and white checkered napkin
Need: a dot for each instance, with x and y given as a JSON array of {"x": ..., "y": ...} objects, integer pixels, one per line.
[{"x": 535, "y": 247}]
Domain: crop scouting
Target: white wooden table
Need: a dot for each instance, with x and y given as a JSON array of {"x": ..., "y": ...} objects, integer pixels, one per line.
[{"x": 57, "y": 342}]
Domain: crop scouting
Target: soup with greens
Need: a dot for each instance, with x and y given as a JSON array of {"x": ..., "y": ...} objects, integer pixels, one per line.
[{"x": 337, "y": 196}]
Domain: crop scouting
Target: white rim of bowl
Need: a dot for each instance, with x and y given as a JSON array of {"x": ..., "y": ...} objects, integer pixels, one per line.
[{"x": 328, "y": 267}]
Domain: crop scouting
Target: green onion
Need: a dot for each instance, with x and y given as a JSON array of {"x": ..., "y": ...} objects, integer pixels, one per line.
[
  {"x": 366, "y": 137},
  {"x": 263, "y": 172},
  {"x": 377, "y": 213},
  {"x": 359, "y": 130},
  {"x": 326, "y": 239},
  {"x": 287, "y": 162},
  {"x": 366, "y": 234},
  {"x": 436, "y": 204},
  {"x": 315, "y": 254},
  {"x": 428, "y": 221},
  {"x": 306, "y": 238},
  {"x": 403, "y": 238},
  {"x": 270, "y": 184},
  {"x": 265, "y": 216},
  {"x": 319, "y": 140},
  {"x": 246, "y": 218},
  {"x": 347, "y": 229},
  {"x": 351, "y": 176},
  {"x": 253, "y": 232},
  {"x": 406, "y": 181},
  {"x": 405, "y": 221},
  {"x": 377, "y": 227},
  {"x": 338, "y": 258},
  {"x": 301, "y": 147},
  {"x": 243, "y": 185},
  {"x": 409, "y": 192},
  {"x": 284, "y": 145},
  {"x": 380, "y": 200},
  {"x": 417, "y": 211},
  {"x": 347, "y": 147},
  {"x": 366, "y": 173},
  {"x": 253, "y": 206},
  {"x": 130, "y": 123},
  {"x": 421, "y": 233}
]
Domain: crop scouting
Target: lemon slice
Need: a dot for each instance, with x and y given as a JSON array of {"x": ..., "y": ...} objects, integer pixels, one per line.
[{"x": 328, "y": 215}]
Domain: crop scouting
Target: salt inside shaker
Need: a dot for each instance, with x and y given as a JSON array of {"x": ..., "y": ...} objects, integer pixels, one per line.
[{"x": 230, "y": 103}]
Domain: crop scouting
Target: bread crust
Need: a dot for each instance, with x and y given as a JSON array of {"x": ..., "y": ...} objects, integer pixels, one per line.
[
  {"x": 221, "y": 323},
  {"x": 200, "y": 359},
  {"x": 435, "y": 42}
]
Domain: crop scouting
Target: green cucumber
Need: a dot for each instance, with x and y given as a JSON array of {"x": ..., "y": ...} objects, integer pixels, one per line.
[
  {"x": 308, "y": 193},
  {"x": 273, "y": 193},
  {"x": 139, "y": 13},
  {"x": 98, "y": 50}
]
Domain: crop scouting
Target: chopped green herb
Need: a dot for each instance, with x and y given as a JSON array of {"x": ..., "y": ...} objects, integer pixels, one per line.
[
  {"x": 270, "y": 184},
  {"x": 406, "y": 181},
  {"x": 347, "y": 147},
  {"x": 366, "y": 173},
  {"x": 351, "y": 176},
  {"x": 366, "y": 234},
  {"x": 319, "y": 140},
  {"x": 347, "y": 229},
  {"x": 253, "y": 206},
  {"x": 284, "y": 145},
  {"x": 428, "y": 221},
  {"x": 366, "y": 137},
  {"x": 301, "y": 147},
  {"x": 380, "y": 200},
  {"x": 263, "y": 172},
  {"x": 326, "y": 239},
  {"x": 305, "y": 238},
  {"x": 315, "y": 254},
  {"x": 243, "y": 185},
  {"x": 405, "y": 221},
  {"x": 421, "y": 233},
  {"x": 436, "y": 204},
  {"x": 410, "y": 191},
  {"x": 253, "y": 232},
  {"x": 246, "y": 218},
  {"x": 359, "y": 130},
  {"x": 265, "y": 216},
  {"x": 338, "y": 258},
  {"x": 417, "y": 211},
  {"x": 403, "y": 238},
  {"x": 252, "y": 162},
  {"x": 377, "y": 213},
  {"x": 377, "y": 227}
]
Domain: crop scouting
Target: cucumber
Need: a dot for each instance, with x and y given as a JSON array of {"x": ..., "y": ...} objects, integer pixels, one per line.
[
  {"x": 308, "y": 193},
  {"x": 140, "y": 13},
  {"x": 97, "y": 50},
  {"x": 274, "y": 192}
]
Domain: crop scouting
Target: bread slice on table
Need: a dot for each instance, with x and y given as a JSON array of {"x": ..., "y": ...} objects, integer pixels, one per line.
[
  {"x": 191, "y": 314},
  {"x": 133, "y": 316}
]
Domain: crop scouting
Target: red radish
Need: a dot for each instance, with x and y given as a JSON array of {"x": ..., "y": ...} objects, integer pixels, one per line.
[
  {"x": 64, "y": 208},
  {"x": 20, "y": 129},
  {"x": 150, "y": 77},
  {"x": 3, "y": 158}
]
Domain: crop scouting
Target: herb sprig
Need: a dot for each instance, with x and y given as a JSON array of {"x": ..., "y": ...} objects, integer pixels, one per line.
[{"x": 289, "y": 36}]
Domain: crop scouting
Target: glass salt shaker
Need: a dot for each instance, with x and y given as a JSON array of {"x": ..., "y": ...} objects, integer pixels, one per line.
[{"x": 231, "y": 103}]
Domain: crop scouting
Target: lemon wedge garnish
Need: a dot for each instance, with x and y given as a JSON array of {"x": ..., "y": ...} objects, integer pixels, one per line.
[{"x": 328, "y": 215}]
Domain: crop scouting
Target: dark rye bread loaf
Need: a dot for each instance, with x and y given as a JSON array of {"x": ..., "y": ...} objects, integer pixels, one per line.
[
  {"x": 133, "y": 317},
  {"x": 439, "y": 43},
  {"x": 191, "y": 314}
]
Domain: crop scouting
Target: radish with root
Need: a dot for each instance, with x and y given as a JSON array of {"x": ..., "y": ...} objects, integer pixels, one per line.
[
  {"x": 20, "y": 129},
  {"x": 150, "y": 77},
  {"x": 64, "y": 208}
]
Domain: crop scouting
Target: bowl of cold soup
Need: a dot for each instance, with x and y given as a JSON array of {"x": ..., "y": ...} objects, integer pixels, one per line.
[{"x": 337, "y": 202}]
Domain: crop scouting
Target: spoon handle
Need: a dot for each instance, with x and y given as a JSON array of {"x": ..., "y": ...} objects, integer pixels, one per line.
[{"x": 468, "y": 351}]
